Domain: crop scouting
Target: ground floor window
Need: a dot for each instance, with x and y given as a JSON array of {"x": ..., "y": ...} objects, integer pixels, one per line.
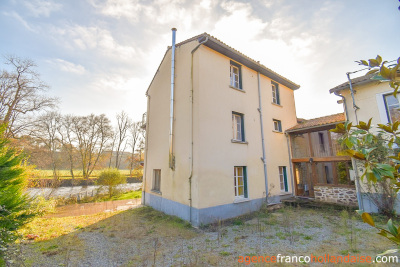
[
  {"x": 156, "y": 180},
  {"x": 283, "y": 179},
  {"x": 240, "y": 181}
]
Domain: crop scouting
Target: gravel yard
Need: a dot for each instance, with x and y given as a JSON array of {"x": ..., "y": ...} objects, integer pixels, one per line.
[{"x": 145, "y": 237}]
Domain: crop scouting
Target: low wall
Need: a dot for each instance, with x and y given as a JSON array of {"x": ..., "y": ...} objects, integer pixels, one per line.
[{"x": 336, "y": 194}]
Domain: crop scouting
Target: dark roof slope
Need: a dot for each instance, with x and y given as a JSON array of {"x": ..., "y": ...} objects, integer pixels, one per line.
[
  {"x": 317, "y": 122},
  {"x": 355, "y": 82}
]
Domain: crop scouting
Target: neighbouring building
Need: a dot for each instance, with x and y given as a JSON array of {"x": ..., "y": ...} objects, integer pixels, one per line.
[
  {"x": 372, "y": 98},
  {"x": 215, "y": 146},
  {"x": 320, "y": 170}
]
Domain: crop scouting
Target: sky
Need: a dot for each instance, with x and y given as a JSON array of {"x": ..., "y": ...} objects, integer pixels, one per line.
[{"x": 99, "y": 56}]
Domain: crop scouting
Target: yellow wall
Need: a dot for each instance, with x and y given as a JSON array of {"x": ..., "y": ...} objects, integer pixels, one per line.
[
  {"x": 369, "y": 99},
  {"x": 214, "y": 154}
]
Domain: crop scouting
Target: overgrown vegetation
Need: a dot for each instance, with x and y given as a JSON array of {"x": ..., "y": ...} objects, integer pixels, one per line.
[
  {"x": 145, "y": 237},
  {"x": 374, "y": 149}
]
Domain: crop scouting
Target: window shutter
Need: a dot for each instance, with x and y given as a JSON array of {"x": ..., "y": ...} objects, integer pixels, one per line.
[
  {"x": 246, "y": 195},
  {"x": 285, "y": 178},
  {"x": 242, "y": 127},
  {"x": 240, "y": 77},
  {"x": 278, "y": 99}
]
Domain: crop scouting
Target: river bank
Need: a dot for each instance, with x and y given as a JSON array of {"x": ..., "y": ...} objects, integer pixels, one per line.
[{"x": 71, "y": 191}]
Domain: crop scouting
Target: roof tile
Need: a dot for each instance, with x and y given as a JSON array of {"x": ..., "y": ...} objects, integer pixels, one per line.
[{"x": 321, "y": 121}]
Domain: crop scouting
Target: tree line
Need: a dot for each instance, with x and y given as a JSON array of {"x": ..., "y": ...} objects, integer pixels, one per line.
[{"x": 62, "y": 141}]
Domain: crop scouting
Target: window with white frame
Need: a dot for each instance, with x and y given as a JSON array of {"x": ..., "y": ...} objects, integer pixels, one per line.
[
  {"x": 277, "y": 125},
  {"x": 392, "y": 107},
  {"x": 240, "y": 181},
  {"x": 275, "y": 93},
  {"x": 238, "y": 126},
  {"x": 156, "y": 180},
  {"x": 283, "y": 179},
  {"x": 236, "y": 75}
]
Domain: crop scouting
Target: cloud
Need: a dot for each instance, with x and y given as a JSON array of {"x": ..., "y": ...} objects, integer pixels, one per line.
[
  {"x": 68, "y": 66},
  {"x": 130, "y": 9},
  {"x": 39, "y": 8},
  {"x": 93, "y": 38},
  {"x": 16, "y": 16}
]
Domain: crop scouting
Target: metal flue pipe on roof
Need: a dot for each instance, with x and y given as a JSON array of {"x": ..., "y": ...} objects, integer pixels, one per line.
[{"x": 171, "y": 114}]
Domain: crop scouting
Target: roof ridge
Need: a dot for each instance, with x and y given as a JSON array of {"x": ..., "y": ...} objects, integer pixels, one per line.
[
  {"x": 205, "y": 34},
  {"x": 332, "y": 115},
  {"x": 318, "y": 122}
]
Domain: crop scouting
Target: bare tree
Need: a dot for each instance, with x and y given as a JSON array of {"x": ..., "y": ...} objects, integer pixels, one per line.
[
  {"x": 123, "y": 124},
  {"x": 134, "y": 133},
  {"x": 114, "y": 139},
  {"x": 46, "y": 130},
  {"x": 21, "y": 94},
  {"x": 92, "y": 133},
  {"x": 142, "y": 141},
  {"x": 68, "y": 139}
]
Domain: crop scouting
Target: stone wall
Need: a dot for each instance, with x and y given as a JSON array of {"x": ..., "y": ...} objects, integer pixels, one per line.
[{"x": 339, "y": 195}]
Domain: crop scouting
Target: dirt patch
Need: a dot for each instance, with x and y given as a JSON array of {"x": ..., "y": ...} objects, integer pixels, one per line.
[
  {"x": 145, "y": 237},
  {"x": 93, "y": 208}
]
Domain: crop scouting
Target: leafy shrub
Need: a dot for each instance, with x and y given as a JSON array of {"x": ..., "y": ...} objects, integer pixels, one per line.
[{"x": 111, "y": 178}]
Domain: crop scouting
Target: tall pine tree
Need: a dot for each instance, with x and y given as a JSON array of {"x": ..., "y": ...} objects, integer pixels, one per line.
[{"x": 14, "y": 203}]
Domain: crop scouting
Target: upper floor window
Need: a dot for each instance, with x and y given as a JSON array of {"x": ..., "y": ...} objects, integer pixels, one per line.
[
  {"x": 240, "y": 182},
  {"x": 238, "y": 126},
  {"x": 277, "y": 125},
  {"x": 236, "y": 75},
  {"x": 275, "y": 93},
  {"x": 392, "y": 108}
]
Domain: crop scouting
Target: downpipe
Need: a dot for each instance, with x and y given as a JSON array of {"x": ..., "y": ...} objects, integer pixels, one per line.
[
  {"x": 353, "y": 161},
  {"x": 352, "y": 96},
  {"x": 263, "y": 159},
  {"x": 145, "y": 151},
  {"x": 192, "y": 113},
  {"x": 345, "y": 104},
  {"x": 171, "y": 115}
]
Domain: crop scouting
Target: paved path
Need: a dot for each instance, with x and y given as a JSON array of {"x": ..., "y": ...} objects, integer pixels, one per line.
[{"x": 97, "y": 207}]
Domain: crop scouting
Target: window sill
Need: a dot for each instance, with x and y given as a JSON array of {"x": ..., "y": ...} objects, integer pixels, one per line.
[
  {"x": 278, "y": 105},
  {"x": 238, "y": 89},
  {"x": 239, "y": 142},
  {"x": 240, "y": 200},
  {"x": 156, "y": 192},
  {"x": 277, "y": 132}
]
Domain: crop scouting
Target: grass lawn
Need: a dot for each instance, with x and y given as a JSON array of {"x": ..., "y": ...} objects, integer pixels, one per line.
[
  {"x": 145, "y": 237},
  {"x": 127, "y": 195}
]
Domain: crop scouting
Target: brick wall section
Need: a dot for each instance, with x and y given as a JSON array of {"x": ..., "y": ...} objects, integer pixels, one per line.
[{"x": 339, "y": 195}]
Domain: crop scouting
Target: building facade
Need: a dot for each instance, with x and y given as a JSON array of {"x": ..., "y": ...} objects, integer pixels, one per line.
[
  {"x": 215, "y": 146},
  {"x": 373, "y": 98},
  {"x": 321, "y": 171}
]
